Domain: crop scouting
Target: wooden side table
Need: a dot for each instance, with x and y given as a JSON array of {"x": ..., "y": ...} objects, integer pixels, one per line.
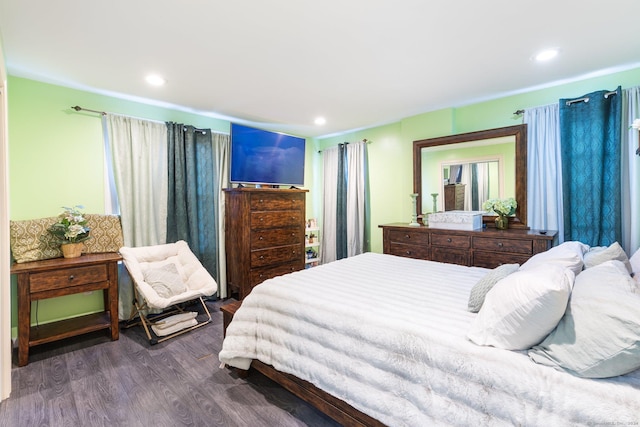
[{"x": 65, "y": 276}]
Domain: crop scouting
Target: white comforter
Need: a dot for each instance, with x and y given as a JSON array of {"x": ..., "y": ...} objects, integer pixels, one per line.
[{"x": 387, "y": 335}]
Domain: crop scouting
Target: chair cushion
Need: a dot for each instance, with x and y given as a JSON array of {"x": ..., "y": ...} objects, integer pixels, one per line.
[
  {"x": 196, "y": 279},
  {"x": 165, "y": 280}
]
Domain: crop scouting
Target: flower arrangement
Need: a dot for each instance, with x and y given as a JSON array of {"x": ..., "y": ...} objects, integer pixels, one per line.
[
  {"x": 71, "y": 226},
  {"x": 503, "y": 207}
]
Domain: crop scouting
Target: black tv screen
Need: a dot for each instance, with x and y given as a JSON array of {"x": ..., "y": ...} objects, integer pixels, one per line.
[{"x": 263, "y": 157}]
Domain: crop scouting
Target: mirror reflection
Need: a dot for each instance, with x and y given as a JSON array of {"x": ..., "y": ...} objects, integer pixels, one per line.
[{"x": 464, "y": 175}]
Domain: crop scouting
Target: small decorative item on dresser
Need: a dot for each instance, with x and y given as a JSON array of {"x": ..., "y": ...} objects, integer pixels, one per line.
[
  {"x": 414, "y": 210},
  {"x": 435, "y": 202},
  {"x": 502, "y": 222},
  {"x": 503, "y": 208},
  {"x": 70, "y": 231}
]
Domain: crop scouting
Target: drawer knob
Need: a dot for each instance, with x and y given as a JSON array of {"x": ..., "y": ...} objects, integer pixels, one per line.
[
  {"x": 408, "y": 252},
  {"x": 260, "y": 238},
  {"x": 261, "y": 256},
  {"x": 261, "y": 201},
  {"x": 448, "y": 239},
  {"x": 500, "y": 244},
  {"x": 407, "y": 236},
  {"x": 71, "y": 277},
  {"x": 261, "y": 219}
]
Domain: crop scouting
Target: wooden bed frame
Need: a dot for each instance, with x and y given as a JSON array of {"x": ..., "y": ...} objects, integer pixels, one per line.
[{"x": 329, "y": 405}]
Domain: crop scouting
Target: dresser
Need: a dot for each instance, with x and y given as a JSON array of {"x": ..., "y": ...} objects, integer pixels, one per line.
[
  {"x": 454, "y": 197},
  {"x": 65, "y": 276},
  {"x": 264, "y": 235},
  {"x": 487, "y": 248}
]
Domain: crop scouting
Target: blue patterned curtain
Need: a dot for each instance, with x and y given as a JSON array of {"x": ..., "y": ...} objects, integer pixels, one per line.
[
  {"x": 193, "y": 190},
  {"x": 590, "y": 145}
]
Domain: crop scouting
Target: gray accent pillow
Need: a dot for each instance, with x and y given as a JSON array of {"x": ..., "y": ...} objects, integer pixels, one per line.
[
  {"x": 599, "y": 254},
  {"x": 484, "y": 285},
  {"x": 165, "y": 280},
  {"x": 599, "y": 335}
]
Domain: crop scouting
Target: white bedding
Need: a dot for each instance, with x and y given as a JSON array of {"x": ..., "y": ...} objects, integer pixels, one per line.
[{"x": 387, "y": 334}]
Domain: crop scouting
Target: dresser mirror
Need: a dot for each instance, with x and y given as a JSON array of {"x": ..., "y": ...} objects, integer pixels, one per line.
[{"x": 473, "y": 167}]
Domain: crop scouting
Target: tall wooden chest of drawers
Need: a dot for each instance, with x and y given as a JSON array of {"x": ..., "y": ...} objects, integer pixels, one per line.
[
  {"x": 264, "y": 235},
  {"x": 487, "y": 248},
  {"x": 454, "y": 197}
]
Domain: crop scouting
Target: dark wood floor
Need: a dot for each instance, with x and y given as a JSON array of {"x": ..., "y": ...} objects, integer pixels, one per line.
[{"x": 92, "y": 381}]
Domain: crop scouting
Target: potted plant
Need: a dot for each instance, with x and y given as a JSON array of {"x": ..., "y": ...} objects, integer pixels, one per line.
[
  {"x": 503, "y": 208},
  {"x": 70, "y": 231}
]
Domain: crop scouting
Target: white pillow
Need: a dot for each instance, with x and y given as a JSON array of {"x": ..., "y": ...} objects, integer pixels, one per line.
[
  {"x": 484, "y": 285},
  {"x": 599, "y": 335},
  {"x": 567, "y": 254},
  {"x": 523, "y": 308},
  {"x": 599, "y": 254}
]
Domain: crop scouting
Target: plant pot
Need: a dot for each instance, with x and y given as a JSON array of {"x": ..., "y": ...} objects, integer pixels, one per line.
[
  {"x": 502, "y": 222},
  {"x": 72, "y": 250}
]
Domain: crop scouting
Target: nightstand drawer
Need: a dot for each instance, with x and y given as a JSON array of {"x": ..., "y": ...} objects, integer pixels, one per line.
[
  {"x": 451, "y": 241},
  {"x": 262, "y": 257},
  {"x": 277, "y": 202},
  {"x": 503, "y": 245},
  {"x": 275, "y": 219},
  {"x": 262, "y": 239},
  {"x": 64, "y": 278},
  {"x": 409, "y": 237}
]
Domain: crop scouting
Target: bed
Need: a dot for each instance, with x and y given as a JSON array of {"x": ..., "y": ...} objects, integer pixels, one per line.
[{"x": 381, "y": 339}]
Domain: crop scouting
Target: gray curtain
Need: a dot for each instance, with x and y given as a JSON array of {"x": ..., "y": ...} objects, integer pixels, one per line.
[{"x": 192, "y": 213}]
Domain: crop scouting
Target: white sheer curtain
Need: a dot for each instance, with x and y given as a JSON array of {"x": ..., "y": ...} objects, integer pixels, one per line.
[
  {"x": 482, "y": 175},
  {"x": 330, "y": 162},
  {"x": 465, "y": 178},
  {"x": 139, "y": 156},
  {"x": 356, "y": 156},
  {"x": 137, "y": 150},
  {"x": 630, "y": 171},
  {"x": 355, "y": 165},
  {"x": 544, "y": 169},
  {"x": 221, "y": 159}
]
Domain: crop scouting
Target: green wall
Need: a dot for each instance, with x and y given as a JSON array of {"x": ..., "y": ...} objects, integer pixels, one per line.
[
  {"x": 56, "y": 154},
  {"x": 56, "y": 158},
  {"x": 391, "y": 155}
]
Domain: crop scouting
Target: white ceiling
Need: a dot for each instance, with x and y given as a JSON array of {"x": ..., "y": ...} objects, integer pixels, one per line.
[{"x": 278, "y": 64}]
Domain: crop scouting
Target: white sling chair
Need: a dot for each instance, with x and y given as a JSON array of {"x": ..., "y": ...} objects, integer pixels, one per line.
[{"x": 164, "y": 277}]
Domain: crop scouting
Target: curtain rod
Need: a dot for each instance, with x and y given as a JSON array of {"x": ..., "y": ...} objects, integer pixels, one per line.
[
  {"x": 78, "y": 108},
  {"x": 104, "y": 113},
  {"x": 585, "y": 99},
  {"x": 365, "y": 140}
]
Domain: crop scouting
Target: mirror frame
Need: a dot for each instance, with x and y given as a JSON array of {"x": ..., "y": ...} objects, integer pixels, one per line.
[{"x": 519, "y": 220}]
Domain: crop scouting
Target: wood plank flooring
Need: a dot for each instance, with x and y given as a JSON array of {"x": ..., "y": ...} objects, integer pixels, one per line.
[{"x": 93, "y": 381}]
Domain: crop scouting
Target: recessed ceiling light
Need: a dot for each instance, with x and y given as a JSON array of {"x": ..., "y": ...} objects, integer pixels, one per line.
[
  {"x": 320, "y": 121},
  {"x": 155, "y": 80},
  {"x": 546, "y": 55}
]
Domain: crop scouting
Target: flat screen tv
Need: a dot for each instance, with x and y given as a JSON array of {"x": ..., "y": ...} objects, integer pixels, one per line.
[{"x": 263, "y": 157}]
